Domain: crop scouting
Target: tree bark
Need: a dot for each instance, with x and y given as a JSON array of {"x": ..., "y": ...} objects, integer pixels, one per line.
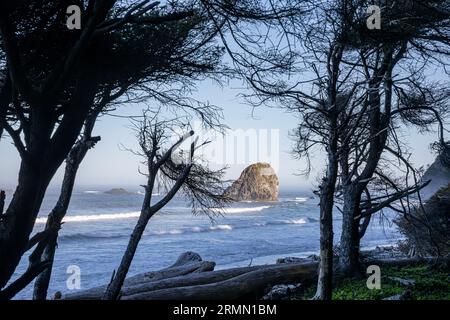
[
  {"x": 55, "y": 217},
  {"x": 325, "y": 279},
  {"x": 46, "y": 150},
  {"x": 349, "y": 262}
]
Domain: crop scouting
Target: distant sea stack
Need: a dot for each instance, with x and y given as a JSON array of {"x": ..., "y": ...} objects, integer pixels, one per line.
[
  {"x": 258, "y": 182},
  {"x": 118, "y": 192}
]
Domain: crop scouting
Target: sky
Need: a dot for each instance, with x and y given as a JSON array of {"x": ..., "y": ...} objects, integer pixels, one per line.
[{"x": 109, "y": 165}]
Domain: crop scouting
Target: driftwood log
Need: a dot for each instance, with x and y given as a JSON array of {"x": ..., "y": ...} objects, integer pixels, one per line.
[
  {"x": 248, "y": 284},
  {"x": 187, "y": 263}
]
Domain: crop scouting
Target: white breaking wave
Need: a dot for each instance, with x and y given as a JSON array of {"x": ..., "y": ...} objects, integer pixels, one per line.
[
  {"x": 91, "y": 192},
  {"x": 142, "y": 193},
  {"x": 95, "y": 217},
  {"x": 297, "y": 221},
  {"x": 220, "y": 227},
  {"x": 129, "y": 215},
  {"x": 301, "y": 199},
  {"x": 240, "y": 210}
]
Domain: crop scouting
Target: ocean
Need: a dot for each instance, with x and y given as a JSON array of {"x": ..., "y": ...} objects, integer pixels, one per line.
[{"x": 98, "y": 225}]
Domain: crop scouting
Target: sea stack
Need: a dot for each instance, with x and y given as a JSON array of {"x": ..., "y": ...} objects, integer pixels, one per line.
[{"x": 258, "y": 182}]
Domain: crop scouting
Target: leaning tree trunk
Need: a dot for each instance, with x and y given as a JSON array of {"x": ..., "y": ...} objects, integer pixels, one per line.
[
  {"x": 18, "y": 221},
  {"x": 45, "y": 151},
  {"x": 116, "y": 284},
  {"x": 55, "y": 217}
]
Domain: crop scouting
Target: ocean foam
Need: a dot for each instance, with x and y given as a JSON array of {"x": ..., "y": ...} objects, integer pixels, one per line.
[
  {"x": 95, "y": 217},
  {"x": 240, "y": 210}
]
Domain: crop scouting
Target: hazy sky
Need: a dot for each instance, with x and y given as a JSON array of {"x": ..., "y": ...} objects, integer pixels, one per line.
[{"x": 108, "y": 165}]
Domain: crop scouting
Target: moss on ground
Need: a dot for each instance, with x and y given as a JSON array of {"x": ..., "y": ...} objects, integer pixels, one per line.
[{"x": 429, "y": 285}]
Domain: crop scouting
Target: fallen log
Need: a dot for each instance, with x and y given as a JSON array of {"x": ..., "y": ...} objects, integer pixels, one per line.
[
  {"x": 187, "y": 263},
  {"x": 250, "y": 283},
  {"x": 188, "y": 280}
]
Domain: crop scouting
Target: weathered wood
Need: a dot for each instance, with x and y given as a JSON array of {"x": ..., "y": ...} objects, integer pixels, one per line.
[
  {"x": 188, "y": 280},
  {"x": 187, "y": 263},
  {"x": 249, "y": 283}
]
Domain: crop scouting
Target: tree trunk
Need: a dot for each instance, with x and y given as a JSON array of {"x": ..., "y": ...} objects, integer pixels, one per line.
[
  {"x": 18, "y": 221},
  {"x": 55, "y": 217},
  {"x": 147, "y": 211},
  {"x": 116, "y": 284},
  {"x": 325, "y": 279},
  {"x": 349, "y": 262},
  {"x": 46, "y": 150},
  {"x": 379, "y": 123}
]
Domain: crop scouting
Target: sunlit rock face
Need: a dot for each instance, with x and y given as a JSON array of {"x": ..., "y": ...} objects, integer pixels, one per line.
[{"x": 258, "y": 182}]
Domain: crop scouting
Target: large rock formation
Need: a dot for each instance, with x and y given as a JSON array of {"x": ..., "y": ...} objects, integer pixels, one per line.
[{"x": 258, "y": 182}]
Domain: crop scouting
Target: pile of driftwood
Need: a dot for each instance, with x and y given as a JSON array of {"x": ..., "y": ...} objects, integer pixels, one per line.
[{"x": 192, "y": 278}]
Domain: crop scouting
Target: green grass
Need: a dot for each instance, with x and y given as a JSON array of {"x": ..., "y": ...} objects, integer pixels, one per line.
[{"x": 430, "y": 285}]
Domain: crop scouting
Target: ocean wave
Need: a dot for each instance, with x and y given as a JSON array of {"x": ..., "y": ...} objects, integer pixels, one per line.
[
  {"x": 95, "y": 217},
  {"x": 91, "y": 192},
  {"x": 88, "y": 236},
  {"x": 221, "y": 227},
  {"x": 297, "y": 221},
  {"x": 240, "y": 210},
  {"x": 224, "y": 227},
  {"x": 196, "y": 229},
  {"x": 142, "y": 193},
  {"x": 283, "y": 222},
  {"x": 135, "y": 214},
  {"x": 301, "y": 199}
]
